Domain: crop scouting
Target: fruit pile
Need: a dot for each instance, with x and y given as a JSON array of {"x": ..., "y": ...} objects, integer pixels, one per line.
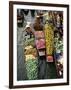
[
  {"x": 31, "y": 60},
  {"x": 49, "y": 37}
]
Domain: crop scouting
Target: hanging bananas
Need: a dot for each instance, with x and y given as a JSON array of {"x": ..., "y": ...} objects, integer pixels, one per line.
[{"x": 49, "y": 36}]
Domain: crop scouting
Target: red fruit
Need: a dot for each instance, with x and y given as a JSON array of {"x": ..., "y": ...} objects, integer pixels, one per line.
[{"x": 49, "y": 58}]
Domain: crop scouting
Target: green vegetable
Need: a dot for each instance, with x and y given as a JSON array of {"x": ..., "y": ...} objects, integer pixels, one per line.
[
  {"x": 58, "y": 44},
  {"x": 29, "y": 42},
  {"x": 32, "y": 69}
]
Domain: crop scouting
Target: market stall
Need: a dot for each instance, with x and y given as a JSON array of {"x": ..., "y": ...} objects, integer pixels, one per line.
[{"x": 43, "y": 44}]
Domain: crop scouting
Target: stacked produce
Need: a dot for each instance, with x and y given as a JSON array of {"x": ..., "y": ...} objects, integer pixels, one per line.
[
  {"x": 31, "y": 63},
  {"x": 29, "y": 42},
  {"x": 49, "y": 37},
  {"x": 58, "y": 45},
  {"x": 59, "y": 55},
  {"x": 58, "y": 40},
  {"x": 31, "y": 58},
  {"x": 32, "y": 70}
]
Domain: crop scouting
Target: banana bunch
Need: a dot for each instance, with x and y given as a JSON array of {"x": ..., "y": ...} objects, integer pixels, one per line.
[
  {"x": 49, "y": 37},
  {"x": 31, "y": 51},
  {"x": 29, "y": 57}
]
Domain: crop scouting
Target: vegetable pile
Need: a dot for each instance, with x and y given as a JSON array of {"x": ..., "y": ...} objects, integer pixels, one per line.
[
  {"x": 32, "y": 69},
  {"x": 31, "y": 57}
]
